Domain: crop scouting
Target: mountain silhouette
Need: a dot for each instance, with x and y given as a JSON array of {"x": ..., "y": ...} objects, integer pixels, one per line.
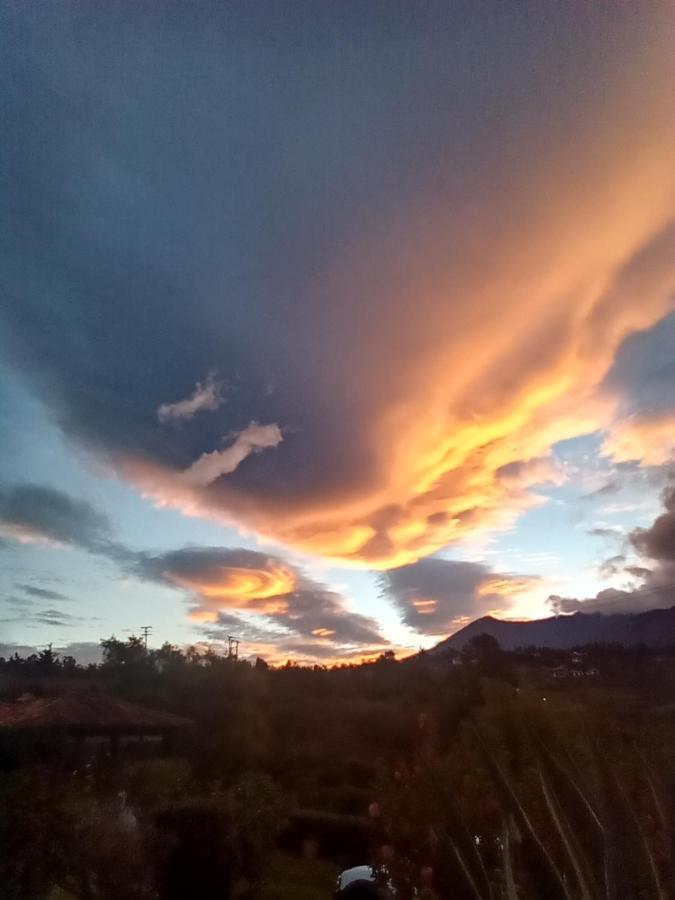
[{"x": 655, "y": 628}]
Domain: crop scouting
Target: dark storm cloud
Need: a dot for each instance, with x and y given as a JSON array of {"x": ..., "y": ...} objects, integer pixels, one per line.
[
  {"x": 167, "y": 192},
  {"x": 303, "y": 199},
  {"x": 435, "y": 595},
  {"x": 658, "y": 541},
  {"x": 32, "y": 512}
]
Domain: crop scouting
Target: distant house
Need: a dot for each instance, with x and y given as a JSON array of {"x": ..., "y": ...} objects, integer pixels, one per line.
[
  {"x": 573, "y": 673},
  {"x": 561, "y": 672},
  {"x": 90, "y": 724}
]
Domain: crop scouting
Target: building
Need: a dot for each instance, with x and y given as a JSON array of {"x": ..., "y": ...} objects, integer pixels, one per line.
[
  {"x": 573, "y": 673},
  {"x": 90, "y": 725}
]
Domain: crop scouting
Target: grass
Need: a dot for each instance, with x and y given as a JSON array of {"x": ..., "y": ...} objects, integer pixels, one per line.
[{"x": 293, "y": 878}]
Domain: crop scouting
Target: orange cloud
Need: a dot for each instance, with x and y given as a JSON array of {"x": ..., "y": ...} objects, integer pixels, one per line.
[
  {"x": 203, "y": 615},
  {"x": 511, "y": 586},
  {"x": 259, "y": 597},
  {"x": 425, "y": 607},
  {"x": 470, "y": 330},
  {"x": 323, "y": 632},
  {"x": 303, "y": 653},
  {"x": 240, "y": 588}
]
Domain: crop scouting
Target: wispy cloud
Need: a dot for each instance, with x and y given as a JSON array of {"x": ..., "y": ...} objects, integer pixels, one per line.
[
  {"x": 42, "y": 593},
  {"x": 55, "y": 617},
  {"x": 252, "y": 439},
  {"x": 205, "y": 397}
]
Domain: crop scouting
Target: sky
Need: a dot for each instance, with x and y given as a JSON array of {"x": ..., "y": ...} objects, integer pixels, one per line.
[{"x": 333, "y": 326}]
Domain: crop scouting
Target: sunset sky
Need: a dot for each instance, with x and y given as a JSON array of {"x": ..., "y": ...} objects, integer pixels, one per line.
[{"x": 333, "y": 326}]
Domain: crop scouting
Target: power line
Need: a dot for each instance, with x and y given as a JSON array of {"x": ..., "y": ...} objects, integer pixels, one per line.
[
  {"x": 145, "y": 631},
  {"x": 232, "y": 648}
]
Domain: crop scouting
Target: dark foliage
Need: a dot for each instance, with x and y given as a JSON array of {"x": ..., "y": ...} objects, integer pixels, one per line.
[{"x": 492, "y": 778}]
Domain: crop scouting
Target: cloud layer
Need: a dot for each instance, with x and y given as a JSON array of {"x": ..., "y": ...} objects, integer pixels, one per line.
[
  {"x": 414, "y": 249},
  {"x": 437, "y": 596},
  {"x": 288, "y": 602},
  {"x": 655, "y": 578},
  {"x": 658, "y": 541},
  {"x": 31, "y": 513},
  {"x": 292, "y": 612}
]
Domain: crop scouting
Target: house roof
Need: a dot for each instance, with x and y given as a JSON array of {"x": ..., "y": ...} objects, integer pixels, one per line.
[{"x": 85, "y": 711}]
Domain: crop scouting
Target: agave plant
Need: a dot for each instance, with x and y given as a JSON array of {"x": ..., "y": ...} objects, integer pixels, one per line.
[{"x": 580, "y": 837}]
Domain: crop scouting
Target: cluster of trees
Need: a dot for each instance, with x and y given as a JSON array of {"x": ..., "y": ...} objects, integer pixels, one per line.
[
  {"x": 44, "y": 662},
  {"x": 480, "y": 780}
]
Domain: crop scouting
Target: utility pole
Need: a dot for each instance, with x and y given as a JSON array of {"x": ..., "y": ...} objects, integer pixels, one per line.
[
  {"x": 145, "y": 631},
  {"x": 232, "y": 648}
]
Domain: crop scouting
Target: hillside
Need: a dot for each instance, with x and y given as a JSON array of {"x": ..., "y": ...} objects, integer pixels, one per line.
[{"x": 656, "y": 628}]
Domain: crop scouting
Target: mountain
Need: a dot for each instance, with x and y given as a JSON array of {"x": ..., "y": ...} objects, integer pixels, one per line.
[{"x": 655, "y": 628}]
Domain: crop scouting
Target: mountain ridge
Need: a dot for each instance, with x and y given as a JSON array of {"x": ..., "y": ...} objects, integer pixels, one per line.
[{"x": 655, "y": 628}]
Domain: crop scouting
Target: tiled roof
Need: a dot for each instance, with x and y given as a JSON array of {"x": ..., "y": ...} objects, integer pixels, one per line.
[{"x": 84, "y": 711}]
